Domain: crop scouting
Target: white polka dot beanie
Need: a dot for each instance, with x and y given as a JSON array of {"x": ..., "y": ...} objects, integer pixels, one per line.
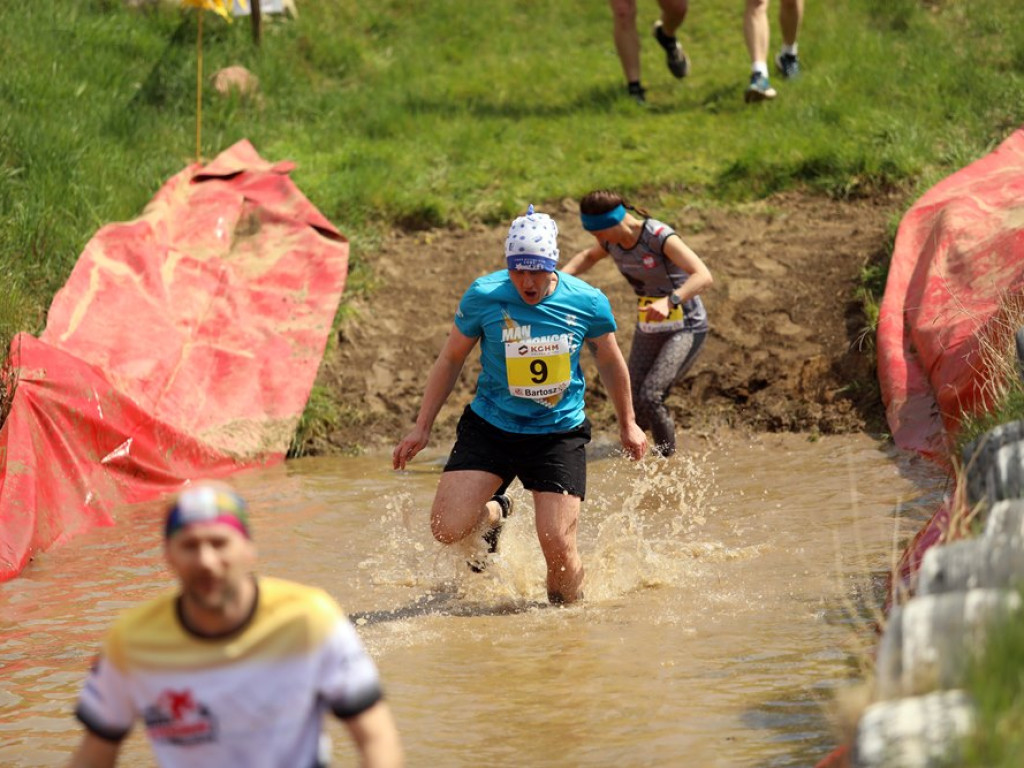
[{"x": 532, "y": 243}]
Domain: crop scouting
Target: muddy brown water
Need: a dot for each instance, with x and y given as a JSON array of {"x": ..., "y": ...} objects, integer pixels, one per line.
[{"x": 728, "y": 592}]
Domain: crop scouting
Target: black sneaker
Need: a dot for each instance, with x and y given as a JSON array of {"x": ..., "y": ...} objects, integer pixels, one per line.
[
  {"x": 637, "y": 92},
  {"x": 678, "y": 62},
  {"x": 788, "y": 65},
  {"x": 479, "y": 564}
]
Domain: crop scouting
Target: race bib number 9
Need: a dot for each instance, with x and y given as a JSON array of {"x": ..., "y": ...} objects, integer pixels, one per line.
[
  {"x": 674, "y": 322},
  {"x": 538, "y": 369}
]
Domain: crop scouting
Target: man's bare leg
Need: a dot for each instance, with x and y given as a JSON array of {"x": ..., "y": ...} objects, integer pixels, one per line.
[
  {"x": 462, "y": 504},
  {"x": 557, "y": 517}
]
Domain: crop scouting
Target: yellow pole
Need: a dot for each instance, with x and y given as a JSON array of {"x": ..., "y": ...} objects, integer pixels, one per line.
[{"x": 199, "y": 89}]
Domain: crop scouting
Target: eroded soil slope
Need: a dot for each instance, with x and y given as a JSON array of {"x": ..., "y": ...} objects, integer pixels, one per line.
[{"x": 785, "y": 350}]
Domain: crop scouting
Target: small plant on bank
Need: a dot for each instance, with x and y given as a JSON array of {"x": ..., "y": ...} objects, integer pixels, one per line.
[
  {"x": 1002, "y": 396},
  {"x": 15, "y": 315},
  {"x": 869, "y": 292},
  {"x": 315, "y": 423},
  {"x": 8, "y": 385}
]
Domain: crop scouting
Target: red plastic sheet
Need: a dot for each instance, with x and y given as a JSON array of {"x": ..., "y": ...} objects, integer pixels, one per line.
[
  {"x": 958, "y": 260},
  {"x": 958, "y": 257},
  {"x": 958, "y": 263},
  {"x": 837, "y": 758},
  {"x": 184, "y": 344},
  {"x": 959, "y": 253}
]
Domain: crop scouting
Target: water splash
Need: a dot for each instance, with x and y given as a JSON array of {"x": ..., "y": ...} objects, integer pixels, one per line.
[{"x": 641, "y": 527}]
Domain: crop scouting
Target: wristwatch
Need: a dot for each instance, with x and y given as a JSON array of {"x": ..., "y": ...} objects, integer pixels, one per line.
[{"x": 674, "y": 300}]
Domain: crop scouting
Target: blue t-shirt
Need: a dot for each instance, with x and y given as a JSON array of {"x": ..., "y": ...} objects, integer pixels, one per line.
[{"x": 532, "y": 350}]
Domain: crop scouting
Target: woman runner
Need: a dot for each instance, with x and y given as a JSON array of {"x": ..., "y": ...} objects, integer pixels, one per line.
[{"x": 667, "y": 277}]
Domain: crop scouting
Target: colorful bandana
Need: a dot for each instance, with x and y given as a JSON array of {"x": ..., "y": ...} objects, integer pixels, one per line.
[
  {"x": 532, "y": 243},
  {"x": 207, "y": 504},
  {"x": 595, "y": 222}
]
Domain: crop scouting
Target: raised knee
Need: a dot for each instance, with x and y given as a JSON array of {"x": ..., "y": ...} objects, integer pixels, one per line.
[{"x": 440, "y": 531}]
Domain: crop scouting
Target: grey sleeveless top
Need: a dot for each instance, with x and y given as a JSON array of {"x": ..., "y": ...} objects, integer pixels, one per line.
[{"x": 653, "y": 275}]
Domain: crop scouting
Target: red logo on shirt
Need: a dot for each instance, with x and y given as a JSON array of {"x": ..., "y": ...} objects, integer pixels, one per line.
[{"x": 177, "y": 717}]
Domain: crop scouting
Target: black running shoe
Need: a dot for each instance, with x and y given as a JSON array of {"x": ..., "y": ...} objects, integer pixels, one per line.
[
  {"x": 637, "y": 92},
  {"x": 788, "y": 65},
  {"x": 678, "y": 62},
  {"x": 479, "y": 564}
]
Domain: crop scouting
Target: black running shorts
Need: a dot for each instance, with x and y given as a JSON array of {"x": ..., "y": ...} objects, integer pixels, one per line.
[{"x": 550, "y": 462}]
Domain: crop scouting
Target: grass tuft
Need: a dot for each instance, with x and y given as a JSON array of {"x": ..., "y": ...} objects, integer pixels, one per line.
[
  {"x": 1001, "y": 399},
  {"x": 996, "y": 684}
]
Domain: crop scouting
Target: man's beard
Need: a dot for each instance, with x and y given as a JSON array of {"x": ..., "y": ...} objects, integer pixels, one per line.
[{"x": 215, "y": 600}]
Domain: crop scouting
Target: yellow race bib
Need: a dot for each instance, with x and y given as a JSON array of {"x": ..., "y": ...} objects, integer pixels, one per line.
[
  {"x": 674, "y": 322},
  {"x": 538, "y": 368}
]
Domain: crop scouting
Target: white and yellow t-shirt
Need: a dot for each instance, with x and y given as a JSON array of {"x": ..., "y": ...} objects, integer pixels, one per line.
[{"x": 252, "y": 699}]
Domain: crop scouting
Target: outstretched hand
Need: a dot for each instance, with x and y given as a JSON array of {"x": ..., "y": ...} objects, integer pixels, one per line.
[
  {"x": 410, "y": 445},
  {"x": 634, "y": 440}
]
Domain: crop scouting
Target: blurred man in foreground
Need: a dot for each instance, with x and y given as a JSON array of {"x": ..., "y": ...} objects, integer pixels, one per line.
[{"x": 231, "y": 670}]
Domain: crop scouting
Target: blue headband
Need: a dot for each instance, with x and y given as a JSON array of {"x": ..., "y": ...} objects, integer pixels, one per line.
[
  {"x": 594, "y": 222},
  {"x": 531, "y": 263}
]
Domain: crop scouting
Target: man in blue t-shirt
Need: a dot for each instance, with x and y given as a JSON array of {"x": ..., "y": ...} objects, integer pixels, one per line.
[{"x": 527, "y": 418}]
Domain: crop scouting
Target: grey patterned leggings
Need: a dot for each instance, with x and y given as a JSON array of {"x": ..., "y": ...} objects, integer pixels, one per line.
[{"x": 656, "y": 362}]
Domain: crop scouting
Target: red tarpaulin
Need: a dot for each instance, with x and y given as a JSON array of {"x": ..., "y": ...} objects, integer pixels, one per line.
[
  {"x": 958, "y": 258},
  {"x": 959, "y": 253},
  {"x": 184, "y": 344}
]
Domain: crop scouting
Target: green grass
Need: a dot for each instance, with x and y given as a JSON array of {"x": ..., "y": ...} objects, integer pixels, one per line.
[
  {"x": 424, "y": 114},
  {"x": 1001, "y": 399},
  {"x": 1009, "y": 406},
  {"x": 442, "y": 114},
  {"x": 996, "y": 684}
]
